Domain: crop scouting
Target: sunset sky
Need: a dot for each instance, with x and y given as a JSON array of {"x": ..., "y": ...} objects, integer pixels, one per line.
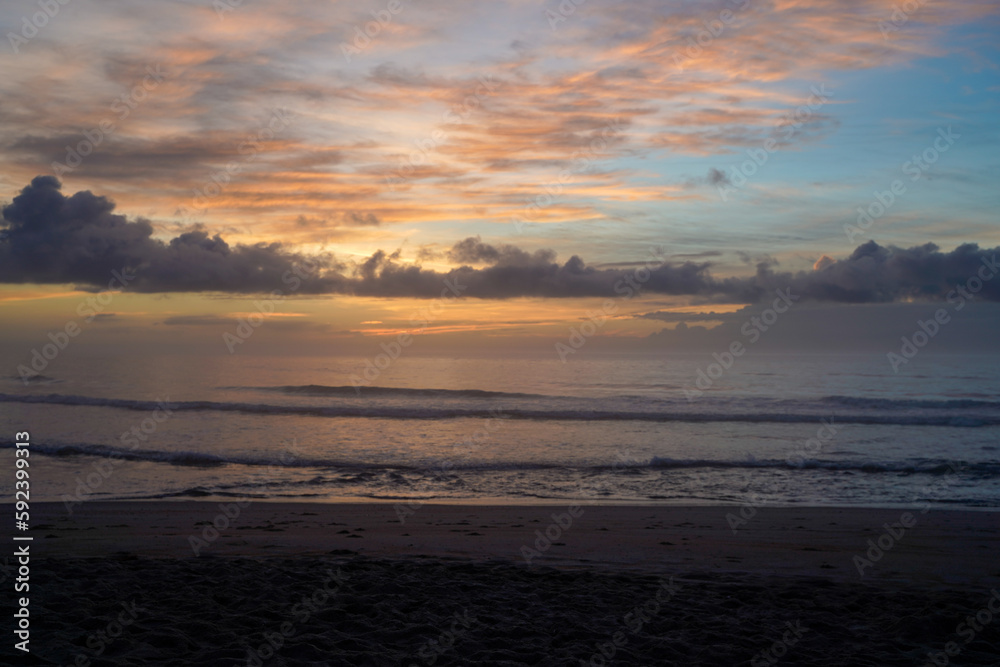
[{"x": 535, "y": 152}]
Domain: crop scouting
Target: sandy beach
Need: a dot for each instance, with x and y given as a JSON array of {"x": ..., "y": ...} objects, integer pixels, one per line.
[{"x": 352, "y": 584}]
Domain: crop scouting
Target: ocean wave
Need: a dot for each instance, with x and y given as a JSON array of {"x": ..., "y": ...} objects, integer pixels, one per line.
[
  {"x": 378, "y": 392},
  {"x": 190, "y": 458},
  {"x": 804, "y": 412},
  {"x": 446, "y": 467},
  {"x": 910, "y": 403},
  {"x": 199, "y": 492},
  {"x": 923, "y": 467}
]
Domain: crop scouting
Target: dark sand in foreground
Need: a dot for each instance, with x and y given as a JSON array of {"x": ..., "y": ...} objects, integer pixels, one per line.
[{"x": 348, "y": 584}]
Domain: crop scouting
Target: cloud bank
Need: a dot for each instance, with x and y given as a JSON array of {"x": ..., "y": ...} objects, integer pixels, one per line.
[{"x": 47, "y": 237}]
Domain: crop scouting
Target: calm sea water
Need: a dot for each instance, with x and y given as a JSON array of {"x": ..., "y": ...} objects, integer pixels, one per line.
[{"x": 793, "y": 430}]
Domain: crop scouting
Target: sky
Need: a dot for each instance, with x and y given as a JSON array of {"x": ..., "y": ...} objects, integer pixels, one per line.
[{"x": 496, "y": 175}]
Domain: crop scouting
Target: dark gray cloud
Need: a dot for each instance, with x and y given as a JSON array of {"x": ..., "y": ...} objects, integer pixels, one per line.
[
  {"x": 47, "y": 237},
  {"x": 346, "y": 218},
  {"x": 362, "y": 219},
  {"x": 765, "y": 259},
  {"x": 50, "y": 238},
  {"x": 718, "y": 177},
  {"x": 877, "y": 274},
  {"x": 473, "y": 251}
]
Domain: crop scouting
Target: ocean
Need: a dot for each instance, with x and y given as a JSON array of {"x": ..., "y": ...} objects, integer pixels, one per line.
[{"x": 785, "y": 430}]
